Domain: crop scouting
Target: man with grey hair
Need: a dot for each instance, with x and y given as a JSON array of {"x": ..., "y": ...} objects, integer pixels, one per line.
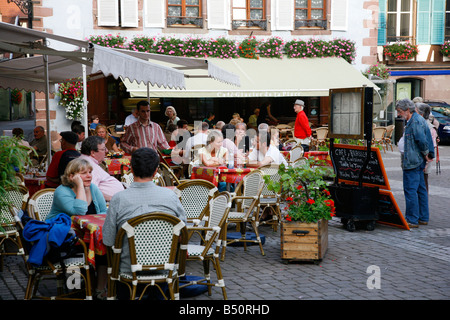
[{"x": 418, "y": 150}]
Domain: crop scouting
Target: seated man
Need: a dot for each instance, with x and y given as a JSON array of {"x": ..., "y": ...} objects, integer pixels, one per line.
[
  {"x": 39, "y": 143},
  {"x": 93, "y": 149},
  {"x": 61, "y": 158},
  {"x": 265, "y": 153},
  {"x": 142, "y": 197}
]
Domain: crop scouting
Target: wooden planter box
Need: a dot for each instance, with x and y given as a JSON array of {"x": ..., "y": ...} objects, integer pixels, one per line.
[{"x": 304, "y": 241}]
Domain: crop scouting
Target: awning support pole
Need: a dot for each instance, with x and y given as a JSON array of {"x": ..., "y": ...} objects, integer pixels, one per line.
[{"x": 47, "y": 111}]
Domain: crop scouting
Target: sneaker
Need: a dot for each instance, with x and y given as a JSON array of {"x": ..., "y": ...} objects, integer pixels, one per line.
[
  {"x": 424, "y": 223},
  {"x": 410, "y": 225}
]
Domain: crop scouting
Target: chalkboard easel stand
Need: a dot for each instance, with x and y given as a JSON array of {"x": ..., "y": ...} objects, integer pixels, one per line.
[{"x": 355, "y": 204}]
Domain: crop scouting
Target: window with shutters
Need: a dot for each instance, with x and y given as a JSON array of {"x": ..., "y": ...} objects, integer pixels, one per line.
[
  {"x": 184, "y": 13},
  {"x": 310, "y": 14},
  {"x": 115, "y": 13},
  {"x": 399, "y": 20},
  {"x": 249, "y": 14},
  {"x": 427, "y": 22}
]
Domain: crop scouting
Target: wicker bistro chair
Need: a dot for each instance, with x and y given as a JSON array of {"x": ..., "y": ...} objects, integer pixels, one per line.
[
  {"x": 212, "y": 236},
  {"x": 270, "y": 200},
  {"x": 299, "y": 162},
  {"x": 11, "y": 224},
  {"x": 157, "y": 243},
  {"x": 378, "y": 137},
  {"x": 321, "y": 138},
  {"x": 168, "y": 175},
  {"x": 246, "y": 197},
  {"x": 128, "y": 178},
  {"x": 40, "y": 203},
  {"x": 296, "y": 153},
  {"x": 195, "y": 196},
  {"x": 387, "y": 140}
]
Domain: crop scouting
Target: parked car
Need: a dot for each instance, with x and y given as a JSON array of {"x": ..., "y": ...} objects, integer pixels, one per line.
[
  {"x": 437, "y": 103},
  {"x": 444, "y": 123}
]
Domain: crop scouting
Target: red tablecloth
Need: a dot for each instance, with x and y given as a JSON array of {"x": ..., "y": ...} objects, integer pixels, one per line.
[
  {"x": 319, "y": 155},
  {"x": 34, "y": 184},
  {"x": 114, "y": 164},
  {"x": 220, "y": 174},
  {"x": 89, "y": 228}
]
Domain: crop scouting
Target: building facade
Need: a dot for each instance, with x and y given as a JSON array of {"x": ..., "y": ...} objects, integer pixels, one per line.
[{"x": 355, "y": 20}]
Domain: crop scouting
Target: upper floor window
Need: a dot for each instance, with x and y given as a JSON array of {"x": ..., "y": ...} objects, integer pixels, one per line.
[
  {"x": 184, "y": 12},
  {"x": 249, "y": 13},
  {"x": 310, "y": 13},
  {"x": 399, "y": 20}
]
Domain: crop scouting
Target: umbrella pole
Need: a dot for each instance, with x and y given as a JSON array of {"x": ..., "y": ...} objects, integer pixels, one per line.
[
  {"x": 85, "y": 102},
  {"x": 47, "y": 111}
]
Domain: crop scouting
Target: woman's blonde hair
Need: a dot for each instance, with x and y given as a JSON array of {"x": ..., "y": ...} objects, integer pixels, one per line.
[
  {"x": 75, "y": 166},
  {"x": 171, "y": 108},
  {"x": 100, "y": 126},
  {"x": 212, "y": 136}
]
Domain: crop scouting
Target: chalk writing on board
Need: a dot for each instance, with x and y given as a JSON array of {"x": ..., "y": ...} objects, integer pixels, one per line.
[{"x": 349, "y": 160}]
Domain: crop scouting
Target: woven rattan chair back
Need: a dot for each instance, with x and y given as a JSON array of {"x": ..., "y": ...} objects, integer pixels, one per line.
[
  {"x": 157, "y": 243},
  {"x": 253, "y": 184},
  {"x": 272, "y": 171},
  {"x": 300, "y": 162},
  {"x": 168, "y": 175},
  {"x": 194, "y": 196},
  {"x": 40, "y": 203},
  {"x": 296, "y": 152},
  {"x": 219, "y": 206},
  {"x": 127, "y": 179}
]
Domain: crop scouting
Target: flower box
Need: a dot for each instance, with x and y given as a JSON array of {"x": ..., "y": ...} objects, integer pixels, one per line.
[{"x": 304, "y": 241}]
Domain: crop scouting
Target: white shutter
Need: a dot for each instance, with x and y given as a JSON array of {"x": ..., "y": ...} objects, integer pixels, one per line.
[
  {"x": 108, "y": 13},
  {"x": 218, "y": 14},
  {"x": 154, "y": 13},
  {"x": 129, "y": 13},
  {"x": 339, "y": 15},
  {"x": 283, "y": 19}
]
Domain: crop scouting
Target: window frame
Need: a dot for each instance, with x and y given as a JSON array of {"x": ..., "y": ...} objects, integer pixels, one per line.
[
  {"x": 249, "y": 23},
  {"x": 185, "y": 20},
  {"x": 447, "y": 21},
  {"x": 398, "y": 14},
  {"x": 309, "y": 22}
]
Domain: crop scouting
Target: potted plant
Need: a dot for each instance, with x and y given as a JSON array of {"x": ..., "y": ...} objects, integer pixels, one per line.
[
  {"x": 445, "y": 50},
  {"x": 304, "y": 227},
  {"x": 400, "y": 51},
  {"x": 14, "y": 158},
  {"x": 71, "y": 98}
]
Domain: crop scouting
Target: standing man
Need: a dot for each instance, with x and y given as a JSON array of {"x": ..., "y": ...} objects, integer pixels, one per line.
[
  {"x": 79, "y": 130},
  {"x": 93, "y": 149},
  {"x": 418, "y": 150},
  {"x": 61, "y": 159},
  {"x": 302, "y": 130},
  {"x": 143, "y": 133},
  {"x": 253, "y": 119},
  {"x": 39, "y": 143}
]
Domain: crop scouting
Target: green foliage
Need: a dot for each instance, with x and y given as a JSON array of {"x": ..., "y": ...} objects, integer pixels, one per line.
[
  {"x": 13, "y": 156},
  {"x": 109, "y": 40},
  {"x": 320, "y": 48},
  {"x": 379, "y": 70},
  {"x": 401, "y": 50},
  {"x": 445, "y": 49},
  {"x": 272, "y": 48},
  {"x": 141, "y": 44},
  {"x": 248, "y": 48},
  {"x": 305, "y": 191}
]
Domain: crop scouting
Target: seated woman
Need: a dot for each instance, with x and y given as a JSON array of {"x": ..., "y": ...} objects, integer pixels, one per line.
[
  {"x": 78, "y": 196},
  {"x": 213, "y": 154},
  {"x": 229, "y": 133},
  {"x": 110, "y": 142}
]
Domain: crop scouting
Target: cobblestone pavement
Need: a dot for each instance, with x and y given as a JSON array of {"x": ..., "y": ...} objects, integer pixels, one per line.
[{"x": 413, "y": 265}]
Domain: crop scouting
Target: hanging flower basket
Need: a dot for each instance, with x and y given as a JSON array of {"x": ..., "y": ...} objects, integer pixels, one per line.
[
  {"x": 16, "y": 96},
  {"x": 445, "y": 50},
  {"x": 71, "y": 98}
]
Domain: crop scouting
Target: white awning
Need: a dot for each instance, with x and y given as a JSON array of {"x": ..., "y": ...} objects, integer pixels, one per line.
[{"x": 267, "y": 78}]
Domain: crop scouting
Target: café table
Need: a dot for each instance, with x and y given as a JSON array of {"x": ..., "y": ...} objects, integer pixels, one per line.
[
  {"x": 34, "y": 183},
  {"x": 220, "y": 174},
  {"x": 319, "y": 155},
  {"x": 114, "y": 164},
  {"x": 89, "y": 228}
]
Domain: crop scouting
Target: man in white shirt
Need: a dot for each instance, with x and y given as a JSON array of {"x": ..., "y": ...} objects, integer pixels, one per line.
[
  {"x": 184, "y": 155},
  {"x": 132, "y": 118},
  {"x": 265, "y": 153}
]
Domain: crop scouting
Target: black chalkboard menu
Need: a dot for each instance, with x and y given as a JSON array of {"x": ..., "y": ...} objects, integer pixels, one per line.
[
  {"x": 389, "y": 212},
  {"x": 348, "y": 161}
]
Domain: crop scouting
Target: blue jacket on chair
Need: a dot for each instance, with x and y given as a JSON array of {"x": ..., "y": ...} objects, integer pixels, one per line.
[{"x": 46, "y": 234}]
